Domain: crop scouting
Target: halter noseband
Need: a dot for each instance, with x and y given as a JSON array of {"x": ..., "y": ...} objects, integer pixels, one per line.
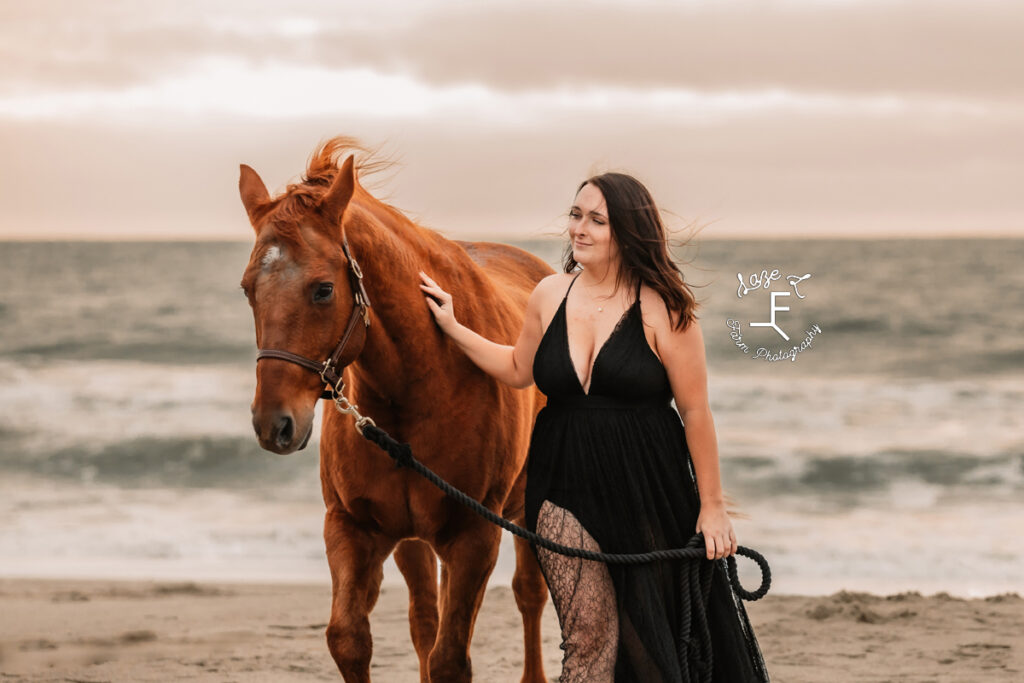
[{"x": 330, "y": 369}]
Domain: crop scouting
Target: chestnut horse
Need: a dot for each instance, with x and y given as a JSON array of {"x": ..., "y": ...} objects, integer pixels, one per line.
[{"x": 402, "y": 371}]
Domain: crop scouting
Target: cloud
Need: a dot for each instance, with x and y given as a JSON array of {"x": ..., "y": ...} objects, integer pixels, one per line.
[
  {"x": 932, "y": 48},
  {"x": 936, "y": 49},
  {"x": 759, "y": 175},
  {"x": 217, "y": 85},
  {"x": 793, "y": 117}
]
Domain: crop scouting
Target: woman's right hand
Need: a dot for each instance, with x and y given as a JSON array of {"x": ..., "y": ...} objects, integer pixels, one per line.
[{"x": 444, "y": 312}]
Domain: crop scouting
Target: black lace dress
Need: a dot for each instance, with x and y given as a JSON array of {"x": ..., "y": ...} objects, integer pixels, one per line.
[{"x": 611, "y": 471}]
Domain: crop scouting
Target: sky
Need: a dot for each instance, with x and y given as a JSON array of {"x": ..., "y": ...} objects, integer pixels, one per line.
[{"x": 128, "y": 120}]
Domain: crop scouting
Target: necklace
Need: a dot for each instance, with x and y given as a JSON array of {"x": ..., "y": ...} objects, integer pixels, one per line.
[{"x": 600, "y": 309}]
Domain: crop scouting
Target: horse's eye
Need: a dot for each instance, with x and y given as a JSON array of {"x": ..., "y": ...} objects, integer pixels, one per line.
[{"x": 323, "y": 292}]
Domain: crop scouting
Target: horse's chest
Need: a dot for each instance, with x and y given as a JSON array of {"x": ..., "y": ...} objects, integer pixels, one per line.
[{"x": 398, "y": 509}]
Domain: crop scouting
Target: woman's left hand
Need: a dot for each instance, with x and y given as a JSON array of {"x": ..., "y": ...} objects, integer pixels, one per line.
[{"x": 719, "y": 537}]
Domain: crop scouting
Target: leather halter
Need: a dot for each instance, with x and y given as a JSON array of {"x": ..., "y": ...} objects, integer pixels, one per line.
[{"x": 330, "y": 370}]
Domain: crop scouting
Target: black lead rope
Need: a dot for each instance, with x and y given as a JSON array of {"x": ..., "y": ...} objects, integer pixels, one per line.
[{"x": 693, "y": 649}]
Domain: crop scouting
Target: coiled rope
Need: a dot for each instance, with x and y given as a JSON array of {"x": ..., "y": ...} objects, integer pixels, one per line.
[{"x": 694, "y": 645}]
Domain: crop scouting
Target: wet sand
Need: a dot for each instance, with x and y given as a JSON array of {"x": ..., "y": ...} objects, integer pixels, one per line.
[{"x": 117, "y": 631}]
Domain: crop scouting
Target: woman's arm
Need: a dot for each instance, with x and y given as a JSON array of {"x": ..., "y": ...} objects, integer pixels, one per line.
[
  {"x": 512, "y": 365},
  {"x": 682, "y": 354},
  {"x": 684, "y": 359}
]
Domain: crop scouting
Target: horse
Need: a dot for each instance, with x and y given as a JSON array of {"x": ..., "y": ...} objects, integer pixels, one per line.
[{"x": 331, "y": 261}]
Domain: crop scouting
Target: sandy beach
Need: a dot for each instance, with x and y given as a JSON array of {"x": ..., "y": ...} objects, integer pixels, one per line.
[{"x": 129, "y": 631}]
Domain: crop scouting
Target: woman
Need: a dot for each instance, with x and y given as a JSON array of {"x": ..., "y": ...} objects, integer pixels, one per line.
[{"x": 610, "y": 464}]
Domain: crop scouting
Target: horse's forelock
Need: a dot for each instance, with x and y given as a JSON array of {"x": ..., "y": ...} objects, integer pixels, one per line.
[{"x": 299, "y": 199}]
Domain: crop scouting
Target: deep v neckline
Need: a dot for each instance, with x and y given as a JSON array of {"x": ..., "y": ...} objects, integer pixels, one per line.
[{"x": 568, "y": 351}]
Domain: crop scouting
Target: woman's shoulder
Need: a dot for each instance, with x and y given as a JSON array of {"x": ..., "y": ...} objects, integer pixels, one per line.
[
  {"x": 552, "y": 288},
  {"x": 652, "y": 306},
  {"x": 547, "y": 296},
  {"x": 655, "y": 313}
]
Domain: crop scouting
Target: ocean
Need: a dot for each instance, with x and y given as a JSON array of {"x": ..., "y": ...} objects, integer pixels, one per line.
[{"x": 880, "y": 447}]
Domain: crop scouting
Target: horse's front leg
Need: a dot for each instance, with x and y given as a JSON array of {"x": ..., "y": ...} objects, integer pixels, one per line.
[
  {"x": 466, "y": 563},
  {"x": 356, "y": 558},
  {"x": 531, "y": 593},
  {"x": 418, "y": 564}
]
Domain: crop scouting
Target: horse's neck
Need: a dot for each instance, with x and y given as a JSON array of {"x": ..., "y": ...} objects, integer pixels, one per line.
[{"x": 403, "y": 343}]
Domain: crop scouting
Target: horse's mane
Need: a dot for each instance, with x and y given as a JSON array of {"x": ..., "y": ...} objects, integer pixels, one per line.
[
  {"x": 323, "y": 165},
  {"x": 293, "y": 205}
]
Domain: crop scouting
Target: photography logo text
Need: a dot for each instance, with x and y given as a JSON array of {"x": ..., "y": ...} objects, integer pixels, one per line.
[{"x": 775, "y": 322}]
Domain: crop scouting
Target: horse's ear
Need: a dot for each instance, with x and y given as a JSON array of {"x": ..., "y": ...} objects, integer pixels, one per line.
[
  {"x": 253, "y": 191},
  {"x": 338, "y": 196}
]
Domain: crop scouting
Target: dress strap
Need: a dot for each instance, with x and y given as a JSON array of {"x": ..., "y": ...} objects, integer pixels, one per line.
[{"x": 570, "y": 286}]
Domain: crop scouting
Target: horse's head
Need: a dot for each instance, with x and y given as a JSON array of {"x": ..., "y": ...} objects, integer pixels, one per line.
[{"x": 303, "y": 293}]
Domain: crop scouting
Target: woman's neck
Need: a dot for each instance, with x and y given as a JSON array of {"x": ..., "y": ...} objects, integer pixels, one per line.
[{"x": 600, "y": 279}]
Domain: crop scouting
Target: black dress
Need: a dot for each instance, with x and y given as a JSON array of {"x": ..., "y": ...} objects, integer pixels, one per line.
[{"x": 611, "y": 471}]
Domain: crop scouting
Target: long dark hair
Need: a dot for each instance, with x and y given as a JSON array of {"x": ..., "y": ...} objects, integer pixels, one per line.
[{"x": 640, "y": 234}]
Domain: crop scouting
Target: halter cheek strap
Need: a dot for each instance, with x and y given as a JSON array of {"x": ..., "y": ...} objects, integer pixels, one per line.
[{"x": 330, "y": 370}]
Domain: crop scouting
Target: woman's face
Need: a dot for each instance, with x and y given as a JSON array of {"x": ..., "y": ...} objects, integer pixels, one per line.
[{"x": 589, "y": 230}]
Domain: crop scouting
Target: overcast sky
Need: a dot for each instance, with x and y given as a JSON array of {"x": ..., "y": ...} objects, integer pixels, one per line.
[{"x": 832, "y": 118}]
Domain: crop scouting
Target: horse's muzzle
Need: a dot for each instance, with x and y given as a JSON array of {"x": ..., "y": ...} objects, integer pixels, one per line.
[{"x": 278, "y": 433}]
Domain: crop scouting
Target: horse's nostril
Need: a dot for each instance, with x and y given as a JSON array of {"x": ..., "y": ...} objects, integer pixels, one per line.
[{"x": 285, "y": 431}]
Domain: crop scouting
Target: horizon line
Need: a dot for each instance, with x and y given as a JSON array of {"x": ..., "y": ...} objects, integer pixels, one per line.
[{"x": 28, "y": 239}]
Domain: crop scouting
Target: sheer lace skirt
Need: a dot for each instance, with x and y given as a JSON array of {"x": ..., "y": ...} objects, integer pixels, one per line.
[
  {"x": 584, "y": 599},
  {"x": 622, "y": 481}
]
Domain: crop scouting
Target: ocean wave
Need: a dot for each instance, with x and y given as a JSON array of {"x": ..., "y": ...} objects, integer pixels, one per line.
[
  {"x": 184, "y": 349},
  {"x": 856, "y": 324},
  {"x": 852, "y": 475},
  {"x": 195, "y": 461}
]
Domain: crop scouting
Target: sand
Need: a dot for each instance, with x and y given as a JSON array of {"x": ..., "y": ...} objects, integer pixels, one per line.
[{"x": 116, "y": 631}]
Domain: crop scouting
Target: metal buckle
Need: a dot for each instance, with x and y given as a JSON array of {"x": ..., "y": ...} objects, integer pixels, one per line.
[
  {"x": 323, "y": 371},
  {"x": 344, "y": 406}
]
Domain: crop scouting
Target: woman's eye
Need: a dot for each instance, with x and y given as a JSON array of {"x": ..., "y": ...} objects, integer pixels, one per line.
[{"x": 323, "y": 292}]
